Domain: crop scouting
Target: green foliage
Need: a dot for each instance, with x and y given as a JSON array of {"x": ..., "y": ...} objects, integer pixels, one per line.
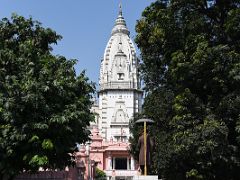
[
  {"x": 38, "y": 161},
  {"x": 193, "y": 174},
  {"x": 191, "y": 68},
  {"x": 44, "y": 106},
  {"x": 100, "y": 174},
  {"x": 47, "y": 144}
]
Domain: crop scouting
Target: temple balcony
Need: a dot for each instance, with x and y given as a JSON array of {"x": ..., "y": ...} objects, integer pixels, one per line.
[{"x": 119, "y": 85}]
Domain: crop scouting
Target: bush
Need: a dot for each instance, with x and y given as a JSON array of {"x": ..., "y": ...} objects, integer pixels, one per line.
[{"x": 100, "y": 175}]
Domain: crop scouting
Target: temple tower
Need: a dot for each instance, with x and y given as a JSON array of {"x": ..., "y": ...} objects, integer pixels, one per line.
[{"x": 120, "y": 96}]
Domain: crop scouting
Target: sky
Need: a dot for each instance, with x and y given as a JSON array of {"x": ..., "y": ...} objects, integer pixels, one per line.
[{"x": 84, "y": 24}]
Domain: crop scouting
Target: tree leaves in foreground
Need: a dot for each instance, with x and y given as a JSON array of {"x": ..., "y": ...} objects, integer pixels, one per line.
[
  {"x": 44, "y": 106},
  {"x": 191, "y": 68}
]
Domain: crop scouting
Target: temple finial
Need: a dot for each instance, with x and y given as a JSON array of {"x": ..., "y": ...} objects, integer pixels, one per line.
[{"x": 120, "y": 9}]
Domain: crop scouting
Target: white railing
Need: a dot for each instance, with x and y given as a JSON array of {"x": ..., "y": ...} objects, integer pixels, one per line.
[
  {"x": 126, "y": 173},
  {"x": 119, "y": 85}
]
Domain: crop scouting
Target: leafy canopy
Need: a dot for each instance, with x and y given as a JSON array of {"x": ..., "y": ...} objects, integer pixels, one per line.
[
  {"x": 191, "y": 68},
  {"x": 44, "y": 105}
]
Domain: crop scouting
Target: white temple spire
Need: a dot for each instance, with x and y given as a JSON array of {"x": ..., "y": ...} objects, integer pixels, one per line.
[
  {"x": 120, "y": 96},
  {"x": 120, "y": 23}
]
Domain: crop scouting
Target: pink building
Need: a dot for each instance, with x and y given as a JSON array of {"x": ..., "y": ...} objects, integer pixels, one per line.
[{"x": 112, "y": 157}]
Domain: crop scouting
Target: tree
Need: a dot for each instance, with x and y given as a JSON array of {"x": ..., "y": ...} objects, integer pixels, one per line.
[
  {"x": 44, "y": 106},
  {"x": 191, "y": 67}
]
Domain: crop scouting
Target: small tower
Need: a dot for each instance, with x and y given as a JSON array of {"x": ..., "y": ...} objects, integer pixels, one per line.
[{"x": 120, "y": 96}]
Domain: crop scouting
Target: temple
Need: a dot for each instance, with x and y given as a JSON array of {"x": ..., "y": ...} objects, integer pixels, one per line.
[{"x": 119, "y": 99}]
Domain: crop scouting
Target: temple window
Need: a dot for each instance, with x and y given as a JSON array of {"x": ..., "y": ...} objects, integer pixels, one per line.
[{"x": 120, "y": 76}]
